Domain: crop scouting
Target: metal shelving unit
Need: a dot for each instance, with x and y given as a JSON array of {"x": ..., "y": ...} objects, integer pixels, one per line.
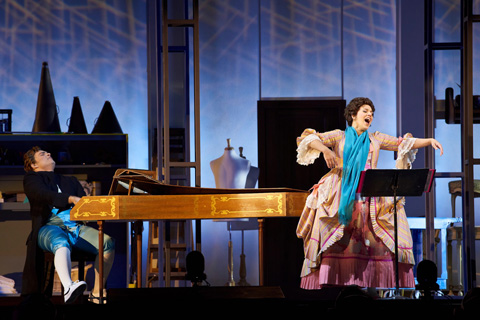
[
  {"x": 167, "y": 166},
  {"x": 465, "y": 47}
]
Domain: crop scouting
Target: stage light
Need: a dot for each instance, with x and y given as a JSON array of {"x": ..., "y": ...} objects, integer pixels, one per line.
[
  {"x": 471, "y": 303},
  {"x": 76, "y": 120},
  {"x": 427, "y": 278},
  {"x": 107, "y": 121},
  {"x": 46, "y": 116},
  {"x": 195, "y": 267}
]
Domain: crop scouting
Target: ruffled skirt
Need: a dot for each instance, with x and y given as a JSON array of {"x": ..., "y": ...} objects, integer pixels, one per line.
[
  {"x": 359, "y": 258},
  {"x": 361, "y": 253}
]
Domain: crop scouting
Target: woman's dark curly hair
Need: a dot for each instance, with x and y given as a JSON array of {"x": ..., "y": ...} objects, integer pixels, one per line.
[{"x": 353, "y": 107}]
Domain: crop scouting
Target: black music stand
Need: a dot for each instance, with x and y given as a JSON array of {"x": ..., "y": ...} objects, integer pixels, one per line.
[{"x": 396, "y": 183}]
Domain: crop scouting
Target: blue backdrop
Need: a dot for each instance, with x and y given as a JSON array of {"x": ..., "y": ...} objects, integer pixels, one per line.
[{"x": 249, "y": 50}]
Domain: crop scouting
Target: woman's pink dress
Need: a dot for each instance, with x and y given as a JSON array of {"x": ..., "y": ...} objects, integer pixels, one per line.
[{"x": 363, "y": 252}]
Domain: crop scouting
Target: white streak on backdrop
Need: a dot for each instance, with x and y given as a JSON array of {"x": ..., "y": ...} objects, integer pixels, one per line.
[{"x": 300, "y": 56}]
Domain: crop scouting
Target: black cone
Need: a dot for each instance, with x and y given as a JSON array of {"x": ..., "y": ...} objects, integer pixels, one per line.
[
  {"x": 77, "y": 121},
  {"x": 46, "y": 117},
  {"x": 107, "y": 121}
]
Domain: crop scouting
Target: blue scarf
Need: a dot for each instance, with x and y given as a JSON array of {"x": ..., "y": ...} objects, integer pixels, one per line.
[{"x": 355, "y": 153}]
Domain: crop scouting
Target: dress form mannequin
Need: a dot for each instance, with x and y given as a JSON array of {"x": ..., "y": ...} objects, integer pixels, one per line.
[
  {"x": 252, "y": 176},
  {"x": 230, "y": 170},
  {"x": 245, "y": 224}
]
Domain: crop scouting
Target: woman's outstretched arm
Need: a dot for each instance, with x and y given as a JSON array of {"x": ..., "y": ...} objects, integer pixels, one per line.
[{"x": 421, "y": 143}]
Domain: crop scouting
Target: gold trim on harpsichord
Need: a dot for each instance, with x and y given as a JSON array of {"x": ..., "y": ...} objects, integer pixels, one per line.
[
  {"x": 95, "y": 207},
  {"x": 269, "y": 204}
]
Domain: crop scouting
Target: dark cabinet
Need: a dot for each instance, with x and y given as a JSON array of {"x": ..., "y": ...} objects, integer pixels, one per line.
[{"x": 280, "y": 122}]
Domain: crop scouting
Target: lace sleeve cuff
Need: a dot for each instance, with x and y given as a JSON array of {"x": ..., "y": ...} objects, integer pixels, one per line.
[
  {"x": 406, "y": 155},
  {"x": 305, "y": 154}
]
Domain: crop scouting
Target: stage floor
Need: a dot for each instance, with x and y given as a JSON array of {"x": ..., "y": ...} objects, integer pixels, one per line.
[{"x": 237, "y": 302}]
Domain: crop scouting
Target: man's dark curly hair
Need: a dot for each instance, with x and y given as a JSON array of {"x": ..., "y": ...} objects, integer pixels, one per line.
[
  {"x": 353, "y": 107},
  {"x": 29, "y": 158}
]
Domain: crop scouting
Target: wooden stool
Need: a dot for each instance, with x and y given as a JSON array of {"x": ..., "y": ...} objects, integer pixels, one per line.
[
  {"x": 455, "y": 189},
  {"x": 455, "y": 233},
  {"x": 76, "y": 256}
]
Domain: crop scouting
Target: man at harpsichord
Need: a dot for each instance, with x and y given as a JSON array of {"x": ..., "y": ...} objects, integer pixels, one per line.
[{"x": 51, "y": 196}]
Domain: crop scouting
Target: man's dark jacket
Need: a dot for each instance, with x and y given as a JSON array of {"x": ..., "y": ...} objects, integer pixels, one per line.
[{"x": 42, "y": 193}]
